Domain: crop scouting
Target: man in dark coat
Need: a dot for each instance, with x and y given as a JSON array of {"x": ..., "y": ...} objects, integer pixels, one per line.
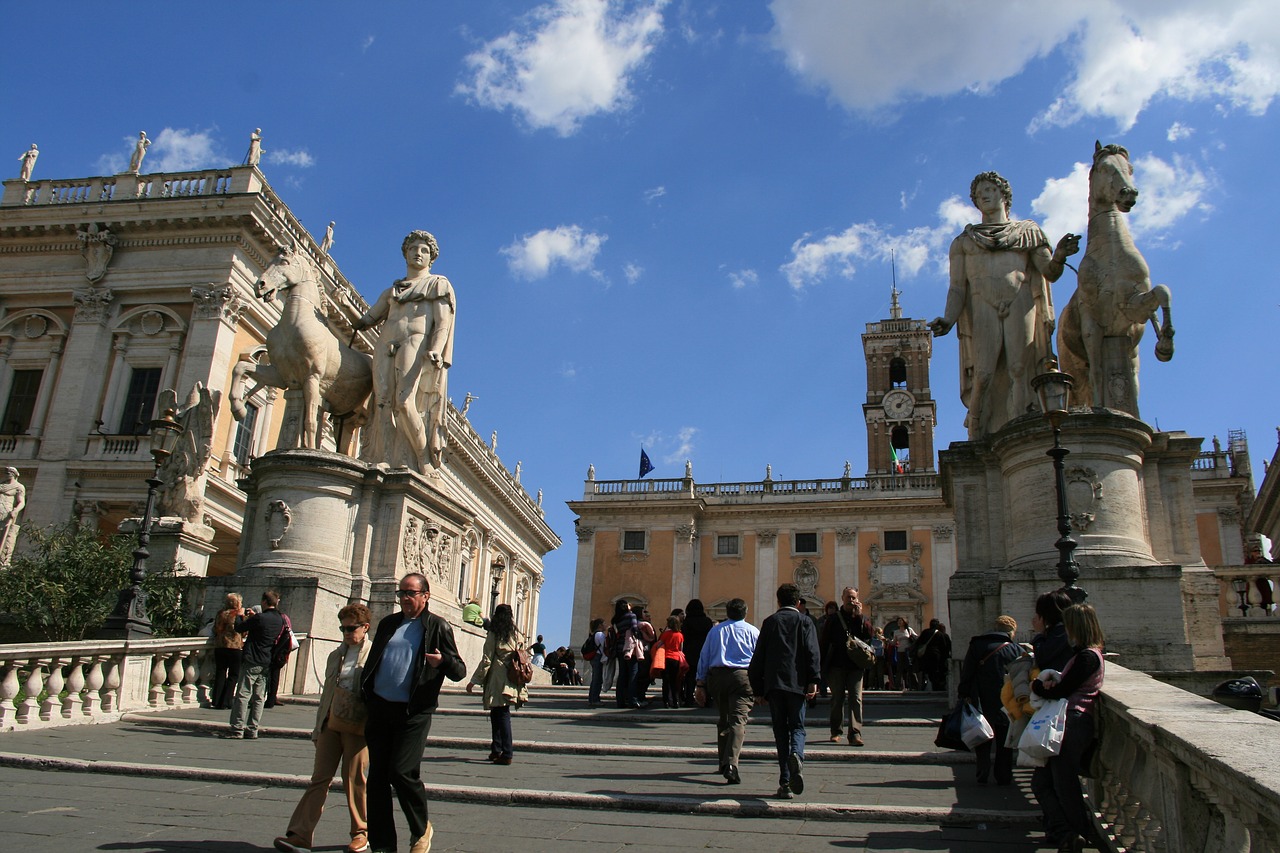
[
  {"x": 981, "y": 680},
  {"x": 784, "y": 673},
  {"x": 932, "y": 653},
  {"x": 844, "y": 677},
  {"x": 412, "y": 652},
  {"x": 263, "y": 630}
]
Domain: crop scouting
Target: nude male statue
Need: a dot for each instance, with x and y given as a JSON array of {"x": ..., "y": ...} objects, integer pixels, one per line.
[
  {"x": 411, "y": 361},
  {"x": 139, "y": 151},
  {"x": 1000, "y": 299},
  {"x": 28, "y": 159}
]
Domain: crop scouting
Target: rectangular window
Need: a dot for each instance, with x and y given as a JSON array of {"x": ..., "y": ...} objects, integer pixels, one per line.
[
  {"x": 245, "y": 434},
  {"x": 140, "y": 401},
  {"x": 727, "y": 546},
  {"x": 22, "y": 402},
  {"x": 895, "y": 540},
  {"x": 806, "y": 543},
  {"x": 633, "y": 540}
]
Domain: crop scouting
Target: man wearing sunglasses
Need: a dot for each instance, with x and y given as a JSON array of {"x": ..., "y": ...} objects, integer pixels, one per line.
[{"x": 413, "y": 651}]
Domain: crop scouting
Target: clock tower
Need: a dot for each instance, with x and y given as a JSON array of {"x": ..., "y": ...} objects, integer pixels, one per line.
[{"x": 900, "y": 410}]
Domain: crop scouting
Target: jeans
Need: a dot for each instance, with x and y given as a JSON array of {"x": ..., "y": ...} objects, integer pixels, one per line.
[
  {"x": 846, "y": 700},
  {"x": 626, "y": 682},
  {"x": 597, "y": 679},
  {"x": 500, "y": 724},
  {"x": 1058, "y": 790},
  {"x": 787, "y": 710},
  {"x": 251, "y": 693}
]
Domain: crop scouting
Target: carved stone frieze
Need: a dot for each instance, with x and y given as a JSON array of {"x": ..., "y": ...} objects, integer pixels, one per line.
[{"x": 92, "y": 305}]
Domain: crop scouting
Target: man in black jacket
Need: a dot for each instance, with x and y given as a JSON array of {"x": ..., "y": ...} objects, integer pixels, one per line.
[
  {"x": 263, "y": 630},
  {"x": 844, "y": 677},
  {"x": 412, "y": 652},
  {"x": 784, "y": 673}
]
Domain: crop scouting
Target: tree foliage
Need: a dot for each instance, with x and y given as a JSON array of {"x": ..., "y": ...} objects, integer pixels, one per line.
[{"x": 64, "y": 584}]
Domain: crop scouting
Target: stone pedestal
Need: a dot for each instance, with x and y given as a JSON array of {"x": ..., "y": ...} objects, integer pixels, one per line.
[
  {"x": 1124, "y": 482},
  {"x": 324, "y": 530},
  {"x": 175, "y": 540}
]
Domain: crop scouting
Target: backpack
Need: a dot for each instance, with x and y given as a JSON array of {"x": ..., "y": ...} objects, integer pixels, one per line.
[
  {"x": 519, "y": 668},
  {"x": 611, "y": 642},
  {"x": 589, "y": 648},
  {"x": 284, "y": 646}
]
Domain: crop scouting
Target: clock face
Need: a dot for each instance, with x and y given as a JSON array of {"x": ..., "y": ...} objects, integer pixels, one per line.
[{"x": 898, "y": 404}]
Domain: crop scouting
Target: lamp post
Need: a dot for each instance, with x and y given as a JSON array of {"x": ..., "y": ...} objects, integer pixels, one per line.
[
  {"x": 1054, "y": 389},
  {"x": 499, "y": 569},
  {"x": 129, "y": 619},
  {"x": 1241, "y": 586}
]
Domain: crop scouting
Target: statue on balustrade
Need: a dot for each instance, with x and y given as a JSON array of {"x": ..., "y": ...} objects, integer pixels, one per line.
[
  {"x": 13, "y": 497},
  {"x": 183, "y": 473},
  {"x": 139, "y": 151},
  {"x": 327, "y": 243},
  {"x": 1001, "y": 305},
  {"x": 255, "y": 148},
  {"x": 28, "y": 159},
  {"x": 411, "y": 362}
]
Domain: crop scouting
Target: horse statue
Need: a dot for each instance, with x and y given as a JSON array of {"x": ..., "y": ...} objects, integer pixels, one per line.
[
  {"x": 1102, "y": 324},
  {"x": 304, "y": 354}
]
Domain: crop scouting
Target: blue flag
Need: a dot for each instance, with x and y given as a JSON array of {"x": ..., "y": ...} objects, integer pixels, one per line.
[{"x": 645, "y": 465}]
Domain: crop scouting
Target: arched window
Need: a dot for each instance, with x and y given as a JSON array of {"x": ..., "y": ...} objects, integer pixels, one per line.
[
  {"x": 897, "y": 373},
  {"x": 900, "y": 441}
]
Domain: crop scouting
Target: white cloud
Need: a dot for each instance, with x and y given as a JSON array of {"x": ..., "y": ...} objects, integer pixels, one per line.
[
  {"x": 743, "y": 278},
  {"x": 576, "y": 59},
  {"x": 1063, "y": 205},
  {"x": 568, "y": 370},
  {"x": 1122, "y": 53},
  {"x": 532, "y": 256},
  {"x": 1168, "y": 192},
  {"x": 366, "y": 43},
  {"x": 655, "y": 193},
  {"x": 284, "y": 157},
  {"x": 180, "y": 150},
  {"x": 632, "y": 272},
  {"x": 1178, "y": 131},
  {"x": 684, "y": 448}
]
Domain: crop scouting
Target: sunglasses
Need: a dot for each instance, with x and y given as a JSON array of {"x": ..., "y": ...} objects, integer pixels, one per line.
[
  {"x": 351, "y": 629},
  {"x": 407, "y": 593}
]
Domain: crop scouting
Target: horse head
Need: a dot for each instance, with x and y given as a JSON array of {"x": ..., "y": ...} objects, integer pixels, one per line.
[
  {"x": 1111, "y": 179},
  {"x": 290, "y": 268}
]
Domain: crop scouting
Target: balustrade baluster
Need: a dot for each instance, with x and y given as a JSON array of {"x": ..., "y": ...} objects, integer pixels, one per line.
[
  {"x": 173, "y": 687},
  {"x": 191, "y": 677},
  {"x": 29, "y": 708},
  {"x": 53, "y": 691},
  {"x": 93, "y": 687},
  {"x": 155, "y": 696},
  {"x": 71, "y": 708},
  {"x": 111, "y": 683},
  {"x": 205, "y": 682},
  {"x": 8, "y": 692}
]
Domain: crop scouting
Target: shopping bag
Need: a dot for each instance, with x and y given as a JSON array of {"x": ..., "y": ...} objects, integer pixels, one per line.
[
  {"x": 659, "y": 666},
  {"x": 949, "y": 731},
  {"x": 974, "y": 728},
  {"x": 1043, "y": 737}
]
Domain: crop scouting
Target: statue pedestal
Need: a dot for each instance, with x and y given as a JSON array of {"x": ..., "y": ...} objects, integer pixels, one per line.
[
  {"x": 1132, "y": 509},
  {"x": 175, "y": 540},
  {"x": 325, "y": 530}
]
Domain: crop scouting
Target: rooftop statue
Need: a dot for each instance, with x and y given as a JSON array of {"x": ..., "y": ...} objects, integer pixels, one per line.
[
  {"x": 304, "y": 354},
  {"x": 1000, "y": 303},
  {"x": 255, "y": 148},
  {"x": 139, "y": 151},
  {"x": 327, "y": 243},
  {"x": 28, "y": 159},
  {"x": 1114, "y": 297},
  {"x": 411, "y": 362}
]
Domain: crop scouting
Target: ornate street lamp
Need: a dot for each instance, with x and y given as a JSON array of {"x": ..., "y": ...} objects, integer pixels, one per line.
[
  {"x": 129, "y": 619},
  {"x": 1054, "y": 389},
  {"x": 1241, "y": 586},
  {"x": 499, "y": 569}
]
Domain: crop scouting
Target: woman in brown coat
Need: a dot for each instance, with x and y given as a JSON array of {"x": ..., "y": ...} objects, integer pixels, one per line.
[
  {"x": 228, "y": 647},
  {"x": 500, "y": 692}
]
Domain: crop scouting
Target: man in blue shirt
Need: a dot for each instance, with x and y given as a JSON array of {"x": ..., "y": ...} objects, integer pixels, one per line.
[
  {"x": 412, "y": 652},
  {"x": 722, "y": 675}
]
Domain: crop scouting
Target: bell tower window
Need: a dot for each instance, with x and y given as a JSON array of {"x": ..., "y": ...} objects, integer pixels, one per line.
[{"x": 897, "y": 373}]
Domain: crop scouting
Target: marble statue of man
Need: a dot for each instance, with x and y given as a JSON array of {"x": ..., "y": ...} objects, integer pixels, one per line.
[
  {"x": 411, "y": 362},
  {"x": 327, "y": 243},
  {"x": 13, "y": 497},
  {"x": 139, "y": 151},
  {"x": 255, "y": 148},
  {"x": 28, "y": 159},
  {"x": 1000, "y": 302}
]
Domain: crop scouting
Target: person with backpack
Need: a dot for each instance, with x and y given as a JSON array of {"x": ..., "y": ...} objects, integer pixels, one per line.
[
  {"x": 593, "y": 653},
  {"x": 501, "y": 691}
]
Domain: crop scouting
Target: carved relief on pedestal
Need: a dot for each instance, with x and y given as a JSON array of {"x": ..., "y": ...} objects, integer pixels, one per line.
[
  {"x": 427, "y": 549},
  {"x": 279, "y": 520},
  {"x": 1084, "y": 496}
]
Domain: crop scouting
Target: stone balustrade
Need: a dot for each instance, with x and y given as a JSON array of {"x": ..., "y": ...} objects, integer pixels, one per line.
[
  {"x": 1183, "y": 774},
  {"x": 1257, "y": 600},
  {"x": 97, "y": 680},
  {"x": 842, "y": 488}
]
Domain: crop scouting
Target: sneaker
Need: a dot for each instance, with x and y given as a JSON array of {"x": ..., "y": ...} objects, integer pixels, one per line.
[
  {"x": 784, "y": 793},
  {"x": 423, "y": 844},
  {"x": 228, "y": 734},
  {"x": 797, "y": 767},
  {"x": 287, "y": 845},
  {"x": 359, "y": 844}
]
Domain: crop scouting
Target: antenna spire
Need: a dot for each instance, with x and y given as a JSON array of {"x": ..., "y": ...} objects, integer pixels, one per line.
[{"x": 895, "y": 310}]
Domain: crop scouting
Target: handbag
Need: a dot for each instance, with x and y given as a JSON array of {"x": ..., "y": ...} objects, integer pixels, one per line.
[
  {"x": 347, "y": 712},
  {"x": 861, "y": 654},
  {"x": 1043, "y": 735},
  {"x": 974, "y": 728},
  {"x": 949, "y": 730}
]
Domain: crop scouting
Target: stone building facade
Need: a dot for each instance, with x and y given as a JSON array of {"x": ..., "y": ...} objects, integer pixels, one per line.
[{"x": 113, "y": 288}]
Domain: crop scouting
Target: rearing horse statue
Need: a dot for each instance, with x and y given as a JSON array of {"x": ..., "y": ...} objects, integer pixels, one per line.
[
  {"x": 305, "y": 355},
  {"x": 1114, "y": 298}
]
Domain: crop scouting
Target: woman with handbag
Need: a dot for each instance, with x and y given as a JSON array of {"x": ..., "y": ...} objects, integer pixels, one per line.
[
  {"x": 1067, "y": 820},
  {"x": 674, "y": 666},
  {"x": 339, "y": 739},
  {"x": 500, "y": 692}
]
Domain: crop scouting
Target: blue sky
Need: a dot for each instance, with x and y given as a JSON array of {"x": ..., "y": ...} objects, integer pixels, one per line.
[{"x": 668, "y": 222}]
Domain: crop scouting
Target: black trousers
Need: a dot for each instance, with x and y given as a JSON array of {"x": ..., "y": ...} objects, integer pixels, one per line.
[
  {"x": 226, "y": 672},
  {"x": 500, "y": 724},
  {"x": 396, "y": 741}
]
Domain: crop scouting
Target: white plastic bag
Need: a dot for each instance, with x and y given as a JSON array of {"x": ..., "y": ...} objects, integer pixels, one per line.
[
  {"x": 974, "y": 728},
  {"x": 1043, "y": 736}
]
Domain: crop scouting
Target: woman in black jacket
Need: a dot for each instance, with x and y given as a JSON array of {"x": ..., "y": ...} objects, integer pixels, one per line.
[{"x": 981, "y": 680}]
